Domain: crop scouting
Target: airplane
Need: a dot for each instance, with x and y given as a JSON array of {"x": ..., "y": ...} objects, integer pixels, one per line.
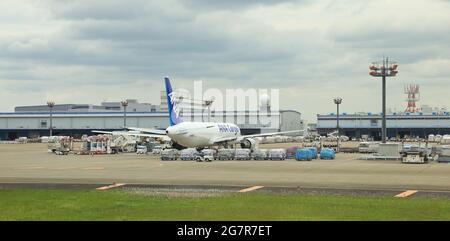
[{"x": 198, "y": 135}]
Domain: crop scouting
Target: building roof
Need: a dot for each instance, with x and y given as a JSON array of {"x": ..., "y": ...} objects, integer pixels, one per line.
[{"x": 116, "y": 113}]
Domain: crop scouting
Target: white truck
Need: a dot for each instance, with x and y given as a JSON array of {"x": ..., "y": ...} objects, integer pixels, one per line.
[
  {"x": 368, "y": 147},
  {"x": 204, "y": 156}
]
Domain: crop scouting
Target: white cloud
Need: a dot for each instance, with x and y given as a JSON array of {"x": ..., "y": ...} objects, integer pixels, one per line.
[{"x": 88, "y": 51}]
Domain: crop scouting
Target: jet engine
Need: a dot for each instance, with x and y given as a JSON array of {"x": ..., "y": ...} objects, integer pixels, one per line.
[{"x": 248, "y": 143}]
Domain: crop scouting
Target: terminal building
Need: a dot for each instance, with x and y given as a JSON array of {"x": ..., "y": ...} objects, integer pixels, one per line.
[
  {"x": 398, "y": 125},
  {"x": 412, "y": 122},
  {"x": 79, "y": 119}
]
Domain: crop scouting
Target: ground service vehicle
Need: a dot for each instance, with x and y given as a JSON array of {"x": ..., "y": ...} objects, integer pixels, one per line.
[
  {"x": 306, "y": 154},
  {"x": 259, "y": 154},
  {"x": 277, "y": 154},
  {"x": 368, "y": 147},
  {"x": 242, "y": 154},
  {"x": 291, "y": 151},
  {"x": 327, "y": 153},
  {"x": 141, "y": 150},
  {"x": 157, "y": 150},
  {"x": 188, "y": 154},
  {"x": 414, "y": 154},
  {"x": 201, "y": 157},
  {"x": 314, "y": 152},
  {"x": 225, "y": 154},
  {"x": 169, "y": 155}
]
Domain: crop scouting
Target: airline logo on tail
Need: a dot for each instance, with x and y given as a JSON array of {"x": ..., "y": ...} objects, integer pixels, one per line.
[{"x": 174, "y": 113}]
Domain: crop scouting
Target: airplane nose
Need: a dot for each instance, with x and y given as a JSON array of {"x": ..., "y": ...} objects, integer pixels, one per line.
[{"x": 169, "y": 131}]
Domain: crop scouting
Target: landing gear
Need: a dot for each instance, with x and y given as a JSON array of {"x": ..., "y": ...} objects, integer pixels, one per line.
[{"x": 177, "y": 146}]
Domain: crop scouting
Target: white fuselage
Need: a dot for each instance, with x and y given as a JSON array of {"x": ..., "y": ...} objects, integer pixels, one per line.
[{"x": 201, "y": 134}]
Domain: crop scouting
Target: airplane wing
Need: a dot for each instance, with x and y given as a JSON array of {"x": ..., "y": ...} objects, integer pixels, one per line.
[
  {"x": 127, "y": 133},
  {"x": 240, "y": 138},
  {"x": 225, "y": 139},
  {"x": 148, "y": 130},
  {"x": 271, "y": 134},
  {"x": 103, "y": 132}
]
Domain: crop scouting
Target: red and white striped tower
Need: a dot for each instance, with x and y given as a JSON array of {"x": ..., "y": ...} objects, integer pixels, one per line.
[{"x": 412, "y": 90}]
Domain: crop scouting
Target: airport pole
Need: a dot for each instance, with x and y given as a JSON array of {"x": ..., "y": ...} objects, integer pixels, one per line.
[
  {"x": 51, "y": 121},
  {"x": 337, "y": 126},
  {"x": 337, "y": 120},
  {"x": 337, "y": 101},
  {"x": 125, "y": 116},
  {"x": 383, "y": 69},
  {"x": 209, "y": 113},
  {"x": 51, "y": 104},
  {"x": 383, "y": 122},
  {"x": 208, "y": 103},
  {"x": 124, "y": 105}
]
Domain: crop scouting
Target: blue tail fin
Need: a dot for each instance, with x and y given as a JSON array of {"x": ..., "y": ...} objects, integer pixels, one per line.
[{"x": 173, "y": 112}]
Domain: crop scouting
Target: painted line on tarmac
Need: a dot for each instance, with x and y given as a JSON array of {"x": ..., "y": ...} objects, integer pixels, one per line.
[
  {"x": 62, "y": 168},
  {"x": 406, "y": 193},
  {"x": 29, "y": 168},
  {"x": 94, "y": 168},
  {"x": 111, "y": 186},
  {"x": 251, "y": 189}
]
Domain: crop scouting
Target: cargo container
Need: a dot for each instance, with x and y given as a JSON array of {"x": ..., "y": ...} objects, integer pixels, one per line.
[
  {"x": 187, "y": 154},
  {"x": 291, "y": 152},
  {"x": 225, "y": 154},
  {"x": 304, "y": 154},
  {"x": 277, "y": 154},
  {"x": 259, "y": 154},
  {"x": 169, "y": 155},
  {"x": 327, "y": 153},
  {"x": 242, "y": 154}
]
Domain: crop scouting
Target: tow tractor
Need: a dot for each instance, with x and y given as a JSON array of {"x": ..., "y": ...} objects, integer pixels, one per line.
[{"x": 414, "y": 154}]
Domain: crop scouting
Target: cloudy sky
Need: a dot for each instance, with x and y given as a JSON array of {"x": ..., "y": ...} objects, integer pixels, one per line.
[{"x": 91, "y": 51}]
